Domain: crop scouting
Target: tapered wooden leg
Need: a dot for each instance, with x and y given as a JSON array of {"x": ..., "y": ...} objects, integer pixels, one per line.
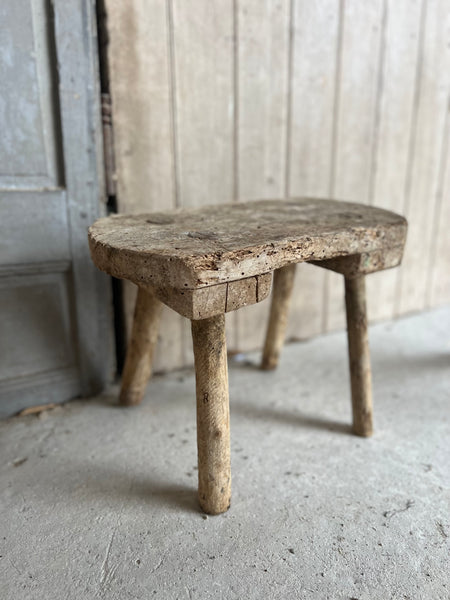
[
  {"x": 359, "y": 355},
  {"x": 138, "y": 362},
  {"x": 283, "y": 283},
  {"x": 213, "y": 418}
]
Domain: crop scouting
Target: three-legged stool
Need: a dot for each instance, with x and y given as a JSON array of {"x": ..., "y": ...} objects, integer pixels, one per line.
[{"x": 209, "y": 261}]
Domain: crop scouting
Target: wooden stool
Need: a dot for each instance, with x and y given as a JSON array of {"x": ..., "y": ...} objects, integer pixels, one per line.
[{"x": 209, "y": 261}]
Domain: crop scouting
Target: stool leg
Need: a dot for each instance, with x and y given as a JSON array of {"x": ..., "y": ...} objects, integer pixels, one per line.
[
  {"x": 138, "y": 362},
  {"x": 283, "y": 283},
  {"x": 359, "y": 356},
  {"x": 213, "y": 418}
]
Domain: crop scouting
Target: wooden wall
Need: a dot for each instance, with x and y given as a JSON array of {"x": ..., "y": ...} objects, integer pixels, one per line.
[{"x": 217, "y": 100}]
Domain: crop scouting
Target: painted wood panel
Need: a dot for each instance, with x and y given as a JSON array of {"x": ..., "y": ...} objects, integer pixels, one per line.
[
  {"x": 204, "y": 112},
  {"x": 262, "y": 87},
  {"x": 55, "y": 313},
  {"x": 438, "y": 266},
  {"x": 239, "y": 99},
  {"x": 203, "y": 46},
  {"x": 142, "y": 100},
  {"x": 75, "y": 31},
  {"x": 30, "y": 142},
  {"x": 140, "y": 35},
  {"x": 261, "y": 71},
  {"x": 430, "y": 123},
  {"x": 396, "y": 102},
  {"x": 314, "y": 51},
  {"x": 36, "y": 321},
  {"x": 22, "y": 240}
]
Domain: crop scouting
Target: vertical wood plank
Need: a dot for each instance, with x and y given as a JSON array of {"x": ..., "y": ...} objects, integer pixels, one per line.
[
  {"x": 396, "y": 107},
  {"x": 203, "y": 55},
  {"x": 355, "y": 126},
  {"x": 422, "y": 193},
  {"x": 140, "y": 89},
  {"x": 263, "y": 45},
  {"x": 261, "y": 95},
  {"x": 439, "y": 267},
  {"x": 315, "y": 44},
  {"x": 140, "y": 80},
  {"x": 203, "y": 52}
]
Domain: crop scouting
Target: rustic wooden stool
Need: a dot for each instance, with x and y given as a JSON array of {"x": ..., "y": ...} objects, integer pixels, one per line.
[{"x": 209, "y": 261}]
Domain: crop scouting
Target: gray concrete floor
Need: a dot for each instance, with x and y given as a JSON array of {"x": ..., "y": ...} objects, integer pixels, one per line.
[{"x": 100, "y": 502}]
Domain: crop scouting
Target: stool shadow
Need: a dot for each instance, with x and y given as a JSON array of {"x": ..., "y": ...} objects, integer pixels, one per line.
[
  {"x": 286, "y": 418},
  {"x": 163, "y": 494},
  {"x": 121, "y": 484}
]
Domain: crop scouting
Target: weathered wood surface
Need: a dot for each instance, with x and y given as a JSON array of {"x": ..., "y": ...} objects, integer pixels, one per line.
[
  {"x": 206, "y": 302},
  {"x": 196, "y": 248},
  {"x": 283, "y": 284},
  {"x": 359, "y": 355},
  {"x": 139, "y": 360},
  {"x": 213, "y": 418},
  {"x": 364, "y": 263}
]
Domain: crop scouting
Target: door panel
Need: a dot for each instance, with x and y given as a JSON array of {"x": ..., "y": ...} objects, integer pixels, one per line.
[
  {"x": 55, "y": 317},
  {"x": 28, "y": 115},
  {"x": 36, "y": 324},
  {"x": 33, "y": 227}
]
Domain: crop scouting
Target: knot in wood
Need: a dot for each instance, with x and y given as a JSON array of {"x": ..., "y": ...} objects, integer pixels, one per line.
[{"x": 202, "y": 235}]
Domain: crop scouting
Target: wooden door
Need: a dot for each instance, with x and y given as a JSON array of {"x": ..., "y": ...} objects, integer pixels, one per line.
[{"x": 55, "y": 317}]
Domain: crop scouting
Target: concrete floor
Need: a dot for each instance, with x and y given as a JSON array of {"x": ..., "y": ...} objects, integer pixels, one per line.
[{"x": 100, "y": 502}]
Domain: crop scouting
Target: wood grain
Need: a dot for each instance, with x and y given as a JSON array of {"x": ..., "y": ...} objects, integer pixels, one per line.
[
  {"x": 206, "y": 302},
  {"x": 359, "y": 356},
  {"x": 213, "y": 414}
]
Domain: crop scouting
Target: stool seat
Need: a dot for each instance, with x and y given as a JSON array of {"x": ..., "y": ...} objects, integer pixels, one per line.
[
  {"x": 208, "y": 261},
  {"x": 193, "y": 248}
]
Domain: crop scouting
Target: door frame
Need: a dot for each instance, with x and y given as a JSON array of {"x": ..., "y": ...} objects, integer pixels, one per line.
[{"x": 76, "y": 46}]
